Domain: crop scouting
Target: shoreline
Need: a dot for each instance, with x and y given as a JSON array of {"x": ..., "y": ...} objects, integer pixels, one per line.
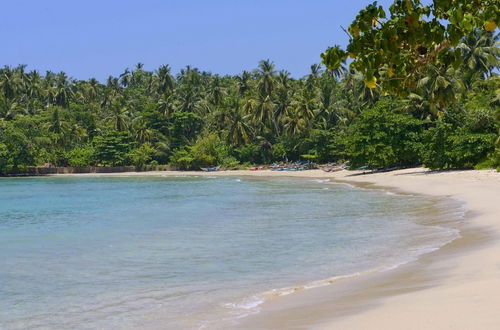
[
  {"x": 459, "y": 283},
  {"x": 457, "y": 286},
  {"x": 342, "y": 306}
]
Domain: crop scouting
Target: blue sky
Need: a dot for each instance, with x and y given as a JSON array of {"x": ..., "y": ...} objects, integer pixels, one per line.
[{"x": 89, "y": 38}]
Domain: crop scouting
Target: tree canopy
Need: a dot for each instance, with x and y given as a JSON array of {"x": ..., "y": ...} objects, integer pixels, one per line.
[
  {"x": 394, "y": 49},
  {"x": 422, "y": 87}
]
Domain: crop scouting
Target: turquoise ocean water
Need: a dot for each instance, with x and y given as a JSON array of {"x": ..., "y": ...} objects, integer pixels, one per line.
[{"x": 190, "y": 252}]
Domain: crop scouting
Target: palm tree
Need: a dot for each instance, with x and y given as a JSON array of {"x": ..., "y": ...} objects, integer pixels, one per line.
[
  {"x": 166, "y": 81},
  {"x": 138, "y": 76},
  {"x": 438, "y": 88},
  {"x": 295, "y": 125},
  {"x": 9, "y": 109},
  {"x": 78, "y": 134},
  {"x": 243, "y": 82},
  {"x": 91, "y": 90},
  {"x": 267, "y": 75},
  {"x": 305, "y": 105},
  {"x": 282, "y": 104},
  {"x": 63, "y": 90},
  {"x": 166, "y": 103},
  {"x": 142, "y": 132},
  {"x": 216, "y": 91},
  {"x": 356, "y": 93},
  {"x": 125, "y": 78},
  {"x": 10, "y": 82},
  {"x": 237, "y": 121},
  {"x": 332, "y": 109},
  {"x": 283, "y": 79},
  {"x": 33, "y": 85},
  {"x": 59, "y": 126},
  {"x": 56, "y": 124},
  {"x": 480, "y": 54},
  {"x": 119, "y": 115},
  {"x": 189, "y": 98},
  {"x": 263, "y": 110}
]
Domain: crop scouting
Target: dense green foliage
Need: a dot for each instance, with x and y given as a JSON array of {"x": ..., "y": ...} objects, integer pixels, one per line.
[
  {"x": 400, "y": 46},
  {"x": 382, "y": 137},
  {"x": 448, "y": 118}
]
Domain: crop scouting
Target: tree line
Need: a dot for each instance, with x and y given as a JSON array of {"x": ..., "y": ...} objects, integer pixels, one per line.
[{"x": 445, "y": 119}]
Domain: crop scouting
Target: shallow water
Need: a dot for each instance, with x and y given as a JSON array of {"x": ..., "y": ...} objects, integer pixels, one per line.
[{"x": 188, "y": 252}]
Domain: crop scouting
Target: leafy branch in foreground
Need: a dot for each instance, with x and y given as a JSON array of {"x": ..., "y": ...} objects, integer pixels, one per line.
[{"x": 394, "y": 50}]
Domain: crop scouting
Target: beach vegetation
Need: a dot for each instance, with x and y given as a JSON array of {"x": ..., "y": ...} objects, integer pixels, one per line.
[
  {"x": 383, "y": 137},
  {"x": 416, "y": 84},
  {"x": 112, "y": 148},
  {"x": 81, "y": 156}
]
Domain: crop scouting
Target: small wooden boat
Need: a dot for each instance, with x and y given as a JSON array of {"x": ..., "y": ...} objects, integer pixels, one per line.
[
  {"x": 210, "y": 169},
  {"x": 332, "y": 169}
]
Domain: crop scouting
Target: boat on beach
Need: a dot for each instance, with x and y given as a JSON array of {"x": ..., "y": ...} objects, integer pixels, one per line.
[
  {"x": 258, "y": 168},
  {"x": 330, "y": 169},
  {"x": 210, "y": 169},
  {"x": 297, "y": 166},
  {"x": 334, "y": 167}
]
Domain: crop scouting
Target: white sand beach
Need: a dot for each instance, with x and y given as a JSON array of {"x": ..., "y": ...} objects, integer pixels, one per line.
[{"x": 469, "y": 295}]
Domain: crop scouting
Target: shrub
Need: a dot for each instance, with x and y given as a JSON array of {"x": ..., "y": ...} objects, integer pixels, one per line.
[
  {"x": 80, "y": 156},
  {"x": 143, "y": 155},
  {"x": 4, "y": 158},
  {"x": 207, "y": 151},
  {"x": 324, "y": 145},
  {"x": 448, "y": 147},
  {"x": 112, "y": 148},
  {"x": 18, "y": 149},
  {"x": 381, "y": 137},
  {"x": 182, "y": 127},
  {"x": 182, "y": 159},
  {"x": 250, "y": 152}
]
